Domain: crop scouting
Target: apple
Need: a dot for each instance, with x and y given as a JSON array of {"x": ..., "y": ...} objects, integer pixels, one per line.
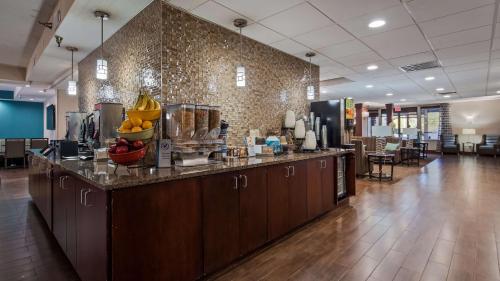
[
  {"x": 112, "y": 148},
  {"x": 122, "y": 142},
  {"x": 121, "y": 149},
  {"x": 138, "y": 144}
]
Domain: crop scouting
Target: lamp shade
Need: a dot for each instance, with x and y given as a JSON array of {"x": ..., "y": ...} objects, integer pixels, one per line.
[
  {"x": 381, "y": 131},
  {"x": 410, "y": 132},
  {"x": 468, "y": 131}
]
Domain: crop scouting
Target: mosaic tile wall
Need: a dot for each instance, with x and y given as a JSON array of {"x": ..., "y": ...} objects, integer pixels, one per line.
[
  {"x": 134, "y": 60},
  {"x": 189, "y": 60}
]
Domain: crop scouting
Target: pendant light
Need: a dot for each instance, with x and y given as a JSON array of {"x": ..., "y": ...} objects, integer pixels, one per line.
[
  {"x": 310, "y": 87},
  {"x": 102, "y": 64},
  {"x": 72, "y": 82},
  {"x": 240, "y": 69}
]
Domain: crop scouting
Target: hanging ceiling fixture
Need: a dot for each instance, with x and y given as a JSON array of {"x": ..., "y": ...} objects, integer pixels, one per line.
[
  {"x": 102, "y": 64},
  {"x": 240, "y": 69},
  {"x": 72, "y": 82},
  {"x": 310, "y": 87}
]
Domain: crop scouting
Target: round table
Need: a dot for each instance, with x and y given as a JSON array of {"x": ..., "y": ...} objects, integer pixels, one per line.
[{"x": 381, "y": 159}]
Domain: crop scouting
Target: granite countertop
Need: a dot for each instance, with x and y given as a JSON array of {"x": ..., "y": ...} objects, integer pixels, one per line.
[{"x": 109, "y": 177}]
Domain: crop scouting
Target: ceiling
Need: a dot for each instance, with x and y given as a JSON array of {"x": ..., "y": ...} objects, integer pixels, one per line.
[
  {"x": 19, "y": 31},
  {"x": 461, "y": 34}
]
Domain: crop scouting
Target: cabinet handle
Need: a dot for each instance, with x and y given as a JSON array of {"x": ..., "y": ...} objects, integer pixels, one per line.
[
  {"x": 81, "y": 196},
  {"x": 235, "y": 187},
  {"x": 287, "y": 171},
  {"x": 324, "y": 161},
  {"x": 85, "y": 198},
  {"x": 245, "y": 182},
  {"x": 293, "y": 170},
  {"x": 61, "y": 182}
]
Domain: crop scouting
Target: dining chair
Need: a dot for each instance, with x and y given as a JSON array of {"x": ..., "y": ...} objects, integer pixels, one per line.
[
  {"x": 14, "y": 149},
  {"x": 39, "y": 143}
]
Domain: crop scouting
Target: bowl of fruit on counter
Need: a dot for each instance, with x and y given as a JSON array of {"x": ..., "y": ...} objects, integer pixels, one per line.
[
  {"x": 135, "y": 128},
  {"x": 126, "y": 152},
  {"x": 145, "y": 108}
]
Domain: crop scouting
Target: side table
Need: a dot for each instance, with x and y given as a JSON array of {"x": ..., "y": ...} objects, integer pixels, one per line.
[
  {"x": 381, "y": 159},
  {"x": 410, "y": 155}
]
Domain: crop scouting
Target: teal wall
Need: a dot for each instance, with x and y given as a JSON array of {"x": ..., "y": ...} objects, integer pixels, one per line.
[
  {"x": 19, "y": 119},
  {"x": 8, "y": 95}
]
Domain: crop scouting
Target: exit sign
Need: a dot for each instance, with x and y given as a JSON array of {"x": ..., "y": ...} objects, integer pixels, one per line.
[{"x": 397, "y": 108}]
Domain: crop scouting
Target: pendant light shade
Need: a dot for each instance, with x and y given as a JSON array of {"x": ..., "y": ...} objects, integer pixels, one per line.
[
  {"x": 240, "y": 69},
  {"x": 72, "y": 89},
  {"x": 310, "y": 88},
  {"x": 102, "y": 64},
  {"x": 102, "y": 69}
]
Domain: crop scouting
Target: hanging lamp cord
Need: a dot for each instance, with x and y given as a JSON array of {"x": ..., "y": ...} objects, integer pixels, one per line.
[
  {"x": 72, "y": 65},
  {"x": 310, "y": 71},
  {"x": 102, "y": 36},
  {"x": 241, "y": 47}
]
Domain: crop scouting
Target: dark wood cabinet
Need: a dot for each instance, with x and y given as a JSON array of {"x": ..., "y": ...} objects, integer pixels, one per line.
[
  {"x": 40, "y": 188},
  {"x": 277, "y": 190},
  {"x": 297, "y": 183},
  {"x": 220, "y": 220},
  {"x": 64, "y": 213},
  {"x": 328, "y": 174},
  {"x": 157, "y": 232},
  {"x": 314, "y": 188},
  {"x": 287, "y": 197},
  {"x": 253, "y": 209},
  {"x": 91, "y": 232}
]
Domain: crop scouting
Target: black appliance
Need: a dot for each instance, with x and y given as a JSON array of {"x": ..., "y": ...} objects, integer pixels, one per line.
[
  {"x": 68, "y": 149},
  {"x": 331, "y": 115},
  {"x": 341, "y": 181}
]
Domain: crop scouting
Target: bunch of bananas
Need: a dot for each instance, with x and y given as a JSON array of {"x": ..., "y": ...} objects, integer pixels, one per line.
[{"x": 144, "y": 102}]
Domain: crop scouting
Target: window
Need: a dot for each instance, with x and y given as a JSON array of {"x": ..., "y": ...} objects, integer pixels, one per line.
[{"x": 431, "y": 123}]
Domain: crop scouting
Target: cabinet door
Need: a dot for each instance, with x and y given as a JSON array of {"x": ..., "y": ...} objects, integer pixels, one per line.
[
  {"x": 328, "y": 172},
  {"x": 91, "y": 233},
  {"x": 71, "y": 184},
  {"x": 277, "y": 200},
  {"x": 297, "y": 211},
  {"x": 253, "y": 209},
  {"x": 59, "y": 210},
  {"x": 220, "y": 220},
  {"x": 33, "y": 179},
  {"x": 45, "y": 193},
  {"x": 314, "y": 188}
]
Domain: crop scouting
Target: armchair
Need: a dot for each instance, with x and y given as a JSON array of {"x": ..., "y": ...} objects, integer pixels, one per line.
[
  {"x": 449, "y": 144},
  {"x": 361, "y": 158},
  {"x": 489, "y": 145}
]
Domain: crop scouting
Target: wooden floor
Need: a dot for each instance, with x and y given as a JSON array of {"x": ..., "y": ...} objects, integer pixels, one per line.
[{"x": 440, "y": 222}]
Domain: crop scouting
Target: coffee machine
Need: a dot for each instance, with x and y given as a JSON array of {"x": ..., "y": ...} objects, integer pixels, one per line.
[{"x": 103, "y": 123}]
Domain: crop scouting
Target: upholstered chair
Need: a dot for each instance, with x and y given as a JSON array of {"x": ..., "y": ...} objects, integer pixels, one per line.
[
  {"x": 489, "y": 145},
  {"x": 449, "y": 144}
]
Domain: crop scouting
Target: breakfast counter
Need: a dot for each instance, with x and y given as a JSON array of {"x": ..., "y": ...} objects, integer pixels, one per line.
[
  {"x": 182, "y": 223},
  {"x": 109, "y": 177}
]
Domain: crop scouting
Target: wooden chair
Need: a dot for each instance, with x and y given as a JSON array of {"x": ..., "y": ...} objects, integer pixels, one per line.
[
  {"x": 15, "y": 149},
  {"x": 39, "y": 143}
]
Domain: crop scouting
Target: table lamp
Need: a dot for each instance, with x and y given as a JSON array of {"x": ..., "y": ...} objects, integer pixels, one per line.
[
  {"x": 469, "y": 133},
  {"x": 380, "y": 132}
]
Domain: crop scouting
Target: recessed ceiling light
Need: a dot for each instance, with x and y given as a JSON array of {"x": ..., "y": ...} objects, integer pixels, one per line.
[
  {"x": 369, "y": 86},
  {"x": 372, "y": 67},
  {"x": 32, "y": 99},
  {"x": 429, "y": 78},
  {"x": 440, "y": 89},
  {"x": 376, "y": 24},
  {"x": 446, "y": 96},
  {"x": 402, "y": 99},
  {"x": 27, "y": 85},
  {"x": 389, "y": 94},
  {"x": 498, "y": 92},
  {"x": 350, "y": 98},
  {"x": 41, "y": 91}
]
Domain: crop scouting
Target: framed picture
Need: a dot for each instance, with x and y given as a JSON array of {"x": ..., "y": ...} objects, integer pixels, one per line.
[{"x": 51, "y": 117}]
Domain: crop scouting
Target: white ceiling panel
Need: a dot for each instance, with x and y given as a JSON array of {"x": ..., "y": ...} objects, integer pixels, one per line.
[
  {"x": 187, "y": 4},
  {"x": 464, "y": 54},
  {"x": 398, "y": 42},
  {"x": 289, "y": 46},
  {"x": 262, "y": 34},
  {"x": 336, "y": 68},
  {"x": 323, "y": 37},
  {"x": 359, "y": 58},
  {"x": 341, "y": 10},
  {"x": 217, "y": 13},
  {"x": 457, "y": 22},
  {"x": 462, "y": 37},
  {"x": 395, "y": 17},
  {"x": 467, "y": 66},
  {"x": 344, "y": 49},
  {"x": 424, "y": 10},
  {"x": 259, "y": 9},
  {"x": 297, "y": 20},
  {"x": 412, "y": 59}
]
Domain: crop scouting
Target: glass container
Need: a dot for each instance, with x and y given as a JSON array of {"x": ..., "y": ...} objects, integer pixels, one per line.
[
  {"x": 201, "y": 122},
  {"x": 180, "y": 122},
  {"x": 214, "y": 119}
]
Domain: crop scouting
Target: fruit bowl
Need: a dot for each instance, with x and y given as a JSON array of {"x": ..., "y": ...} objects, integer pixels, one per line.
[
  {"x": 128, "y": 158},
  {"x": 142, "y": 135},
  {"x": 144, "y": 115}
]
